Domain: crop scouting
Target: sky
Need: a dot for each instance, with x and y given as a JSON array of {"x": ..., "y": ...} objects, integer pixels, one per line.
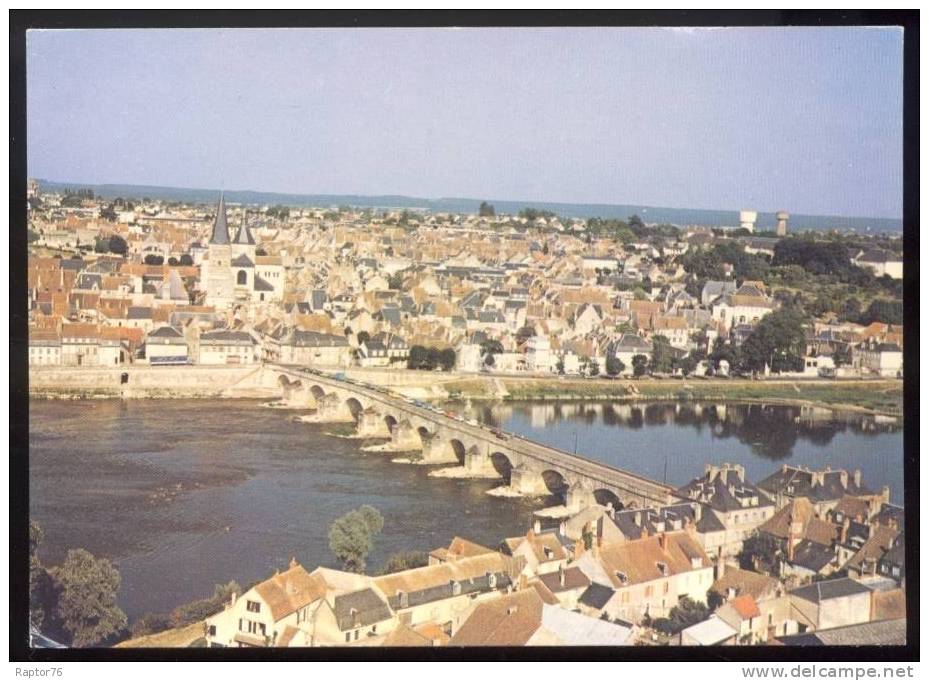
[{"x": 803, "y": 119}]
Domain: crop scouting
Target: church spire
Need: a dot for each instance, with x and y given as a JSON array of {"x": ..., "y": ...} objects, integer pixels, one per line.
[
  {"x": 244, "y": 236},
  {"x": 220, "y": 227}
]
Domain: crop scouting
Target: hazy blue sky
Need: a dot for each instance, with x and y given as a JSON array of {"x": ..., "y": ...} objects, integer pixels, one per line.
[{"x": 804, "y": 119}]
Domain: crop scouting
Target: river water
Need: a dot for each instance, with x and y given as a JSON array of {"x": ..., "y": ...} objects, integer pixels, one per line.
[{"x": 184, "y": 494}]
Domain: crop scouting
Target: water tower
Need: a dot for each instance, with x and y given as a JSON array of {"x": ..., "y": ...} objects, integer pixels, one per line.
[
  {"x": 747, "y": 219},
  {"x": 782, "y": 217}
]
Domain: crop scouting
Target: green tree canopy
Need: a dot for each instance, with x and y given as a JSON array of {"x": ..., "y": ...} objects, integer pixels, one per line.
[
  {"x": 86, "y": 607},
  {"x": 351, "y": 537},
  {"x": 486, "y": 210},
  {"x": 662, "y": 355},
  {"x": 639, "y": 365},
  {"x": 408, "y": 560},
  {"x": 779, "y": 341},
  {"x": 614, "y": 365}
]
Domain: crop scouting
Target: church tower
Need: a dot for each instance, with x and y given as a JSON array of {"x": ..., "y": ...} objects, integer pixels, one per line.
[
  {"x": 218, "y": 277},
  {"x": 243, "y": 258}
]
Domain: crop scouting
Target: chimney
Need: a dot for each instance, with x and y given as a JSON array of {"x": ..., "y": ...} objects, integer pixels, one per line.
[
  {"x": 885, "y": 494},
  {"x": 536, "y": 525},
  {"x": 232, "y": 599},
  {"x": 843, "y": 531},
  {"x": 293, "y": 562},
  {"x": 698, "y": 512},
  {"x": 663, "y": 541},
  {"x": 843, "y": 478},
  {"x": 561, "y": 572},
  {"x": 856, "y": 476},
  {"x": 720, "y": 567}
]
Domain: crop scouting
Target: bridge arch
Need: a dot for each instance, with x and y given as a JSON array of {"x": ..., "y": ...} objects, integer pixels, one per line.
[
  {"x": 391, "y": 421},
  {"x": 424, "y": 433},
  {"x": 459, "y": 449},
  {"x": 317, "y": 391},
  {"x": 288, "y": 387},
  {"x": 605, "y": 497},
  {"x": 355, "y": 407},
  {"x": 503, "y": 464},
  {"x": 555, "y": 481}
]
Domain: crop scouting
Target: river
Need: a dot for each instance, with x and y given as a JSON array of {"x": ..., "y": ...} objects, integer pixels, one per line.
[{"x": 185, "y": 494}]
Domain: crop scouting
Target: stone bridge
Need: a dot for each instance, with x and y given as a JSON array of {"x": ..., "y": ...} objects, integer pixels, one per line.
[{"x": 526, "y": 467}]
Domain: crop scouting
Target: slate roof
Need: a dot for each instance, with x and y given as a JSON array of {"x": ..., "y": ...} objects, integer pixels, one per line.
[
  {"x": 313, "y": 339},
  {"x": 242, "y": 260},
  {"x": 799, "y": 482},
  {"x": 139, "y": 313},
  {"x": 812, "y": 555},
  {"x": 220, "y": 233},
  {"x": 262, "y": 284},
  {"x": 724, "y": 490},
  {"x": 596, "y": 596},
  {"x": 883, "y": 633},
  {"x": 825, "y": 590},
  {"x": 226, "y": 337},
  {"x": 166, "y": 332},
  {"x": 573, "y": 579},
  {"x": 360, "y": 609}
]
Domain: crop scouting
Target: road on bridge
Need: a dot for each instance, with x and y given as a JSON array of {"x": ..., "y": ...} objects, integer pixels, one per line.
[{"x": 557, "y": 458}]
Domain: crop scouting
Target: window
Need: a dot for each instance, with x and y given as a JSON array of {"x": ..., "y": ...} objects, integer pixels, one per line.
[
  {"x": 253, "y": 606},
  {"x": 648, "y": 591},
  {"x": 211, "y": 631},
  {"x": 348, "y": 636}
]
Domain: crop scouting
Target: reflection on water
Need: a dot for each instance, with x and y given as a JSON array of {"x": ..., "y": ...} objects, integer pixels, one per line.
[
  {"x": 641, "y": 437},
  {"x": 184, "y": 494}
]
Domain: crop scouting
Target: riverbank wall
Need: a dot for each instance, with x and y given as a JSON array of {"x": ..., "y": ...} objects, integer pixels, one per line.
[{"x": 143, "y": 381}]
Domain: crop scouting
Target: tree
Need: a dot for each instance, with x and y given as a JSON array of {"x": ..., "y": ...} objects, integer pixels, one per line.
[
  {"x": 399, "y": 562},
  {"x": 172, "y": 261},
  {"x": 186, "y": 260},
  {"x": 760, "y": 552},
  {"x": 559, "y": 366},
  {"x": 152, "y": 259},
  {"x": 614, "y": 365},
  {"x": 882, "y": 310},
  {"x": 593, "y": 367},
  {"x": 687, "y": 612},
  {"x": 662, "y": 355},
  {"x": 779, "y": 341},
  {"x": 395, "y": 281},
  {"x": 31, "y": 235},
  {"x": 635, "y": 223},
  {"x": 639, "y": 365},
  {"x": 351, "y": 537},
  {"x": 39, "y": 580},
  {"x": 447, "y": 359},
  {"x": 363, "y": 337},
  {"x": 118, "y": 245},
  {"x": 486, "y": 210},
  {"x": 86, "y": 605}
]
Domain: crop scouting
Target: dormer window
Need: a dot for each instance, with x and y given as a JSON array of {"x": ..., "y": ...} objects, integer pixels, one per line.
[
  {"x": 662, "y": 568},
  {"x": 548, "y": 552},
  {"x": 622, "y": 577},
  {"x": 253, "y": 606}
]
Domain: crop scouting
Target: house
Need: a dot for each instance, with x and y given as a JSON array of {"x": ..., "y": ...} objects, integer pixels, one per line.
[
  {"x": 822, "y": 488},
  {"x": 881, "y": 263},
  {"x": 649, "y": 575},
  {"x": 626, "y": 348},
  {"x": 746, "y": 305},
  {"x": 739, "y": 505},
  {"x": 830, "y": 603},
  {"x": 543, "y": 553},
  {"x": 808, "y": 542},
  {"x": 310, "y": 348},
  {"x": 524, "y": 619},
  {"x": 878, "y": 359},
  {"x": 166, "y": 345},
  {"x": 227, "y": 347},
  {"x": 567, "y": 585},
  {"x": 258, "y": 617},
  {"x": 44, "y": 347},
  {"x": 443, "y": 593}
]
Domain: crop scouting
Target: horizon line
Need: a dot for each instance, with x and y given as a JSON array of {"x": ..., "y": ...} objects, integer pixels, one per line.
[{"x": 529, "y": 203}]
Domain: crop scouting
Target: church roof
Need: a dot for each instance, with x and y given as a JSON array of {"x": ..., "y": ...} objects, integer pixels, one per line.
[
  {"x": 220, "y": 227},
  {"x": 242, "y": 260},
  {"x": 244, "y": 236}
]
